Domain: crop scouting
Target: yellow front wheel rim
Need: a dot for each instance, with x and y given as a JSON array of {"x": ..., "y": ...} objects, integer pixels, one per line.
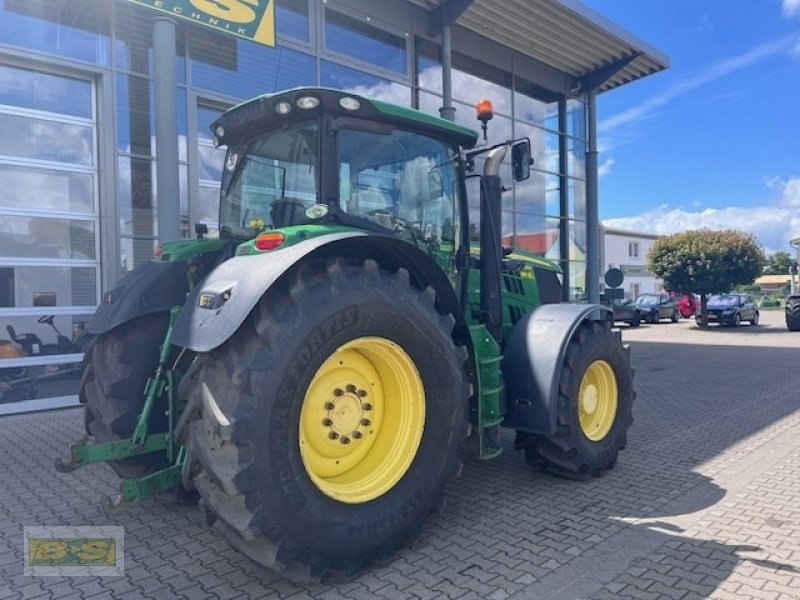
[
  {"x": 597, "y": 400},
  {"x": 362, "y": 419}
]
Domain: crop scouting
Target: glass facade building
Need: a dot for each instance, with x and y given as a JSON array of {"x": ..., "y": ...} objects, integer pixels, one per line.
[{"x": 78, "y": 201}]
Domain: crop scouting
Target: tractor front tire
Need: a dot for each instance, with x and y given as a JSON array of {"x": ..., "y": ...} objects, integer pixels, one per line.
[
  {"x": 595, "y": 397},
  {"x": 325, "y": 429},
  {"x": 793, "y": 314},
  {"x": 116, "y": 367}
]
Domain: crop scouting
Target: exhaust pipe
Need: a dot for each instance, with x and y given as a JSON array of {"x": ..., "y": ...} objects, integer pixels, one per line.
[{"x": 491, "y": 247}]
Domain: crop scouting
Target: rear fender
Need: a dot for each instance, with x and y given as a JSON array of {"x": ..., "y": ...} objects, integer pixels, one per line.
[
  {"x": 533, "y": 359},
  {"x": 150, "y": 288},
  {"x": 215, "y": 310}
]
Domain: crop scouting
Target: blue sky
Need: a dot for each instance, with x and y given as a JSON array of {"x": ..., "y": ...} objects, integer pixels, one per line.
[{"x": 715, "y": 140}]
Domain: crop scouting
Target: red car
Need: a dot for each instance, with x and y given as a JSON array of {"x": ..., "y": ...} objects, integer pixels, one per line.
[{"x": 688, "y": 304}]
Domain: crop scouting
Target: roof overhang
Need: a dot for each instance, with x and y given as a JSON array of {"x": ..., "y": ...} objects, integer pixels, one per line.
[{"x": 563, "y": 34}]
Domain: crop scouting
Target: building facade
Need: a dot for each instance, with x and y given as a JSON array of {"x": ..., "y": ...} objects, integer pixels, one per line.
[
  {"x": 79, "y": 203},
  {"x": 627, "y": 251}
]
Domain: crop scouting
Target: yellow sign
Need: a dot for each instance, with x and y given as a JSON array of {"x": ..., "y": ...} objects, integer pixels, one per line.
[
  {"x": 72, "y": 552},
  {"x": 250, "y": 19}
]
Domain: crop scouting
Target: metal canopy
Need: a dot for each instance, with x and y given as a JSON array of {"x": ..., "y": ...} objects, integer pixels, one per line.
[{"x": 564, "y": 34}]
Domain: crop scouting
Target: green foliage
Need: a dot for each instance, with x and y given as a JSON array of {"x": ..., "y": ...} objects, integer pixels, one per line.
[
  {"x": 778, "y": 264},
  {"x": 706, "y": 261}
]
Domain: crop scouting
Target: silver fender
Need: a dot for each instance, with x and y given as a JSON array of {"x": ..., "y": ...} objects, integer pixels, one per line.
[{"x": 216, "y": 308}]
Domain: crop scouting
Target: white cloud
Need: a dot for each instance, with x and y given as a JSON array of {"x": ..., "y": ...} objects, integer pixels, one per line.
[
  {"x": 791, "y": 8},
  {"x": 796, "y": 50},
  {"x": 711, "y": 74},
  {"x": 605, "y": 168},
  {"x": 773, "y": 225}
]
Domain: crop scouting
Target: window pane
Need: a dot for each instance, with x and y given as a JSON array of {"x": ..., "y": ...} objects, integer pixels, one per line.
[
  {"x": 42, "y": 91},
  {"x": 26, "y": 137},
  {"x": 44, "y": 237},
  {"x": 544, "y": 145},
  {"x": 538, "y": 235},
  {"x": 577, "y": 240},
  {"x": 211, "y": 160},
  {"x": 291, "y": 18},
  {"x": 20, "y": 383},
  {"x": 135, "y": 198},
  {"x": 208, "y": 206},
  {"x": 205, "y": 117},
  {"x": 242, "y": 69},
  {"x": 46, "y": 189},
  {"x": 403, "y": 181},
  {"x": 357, "y": 82},
  {"x": 48, "y": 286},
  {"x": 429, "y": 74},
  {"x": 535, "y": 112},
  {"x": 576, "y": 119},
  {"x": 364, "y": 42},
  {"x": 577, "y": 281},
  {"x": 576, "y": 158},
  {"x": 469, "y": 88},
  {"x": 135, "y": 115},
  {"x": 135, "y": 251},
  {"x": 532, "y": 194},
  {"x": 577, "y": 198},
  {"x": 76, "y": 29}
]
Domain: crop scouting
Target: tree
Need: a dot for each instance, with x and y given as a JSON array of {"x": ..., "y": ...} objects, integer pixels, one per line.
[
  {"x": 778, "y": 263},
  {"x": 706, "y": 262}
]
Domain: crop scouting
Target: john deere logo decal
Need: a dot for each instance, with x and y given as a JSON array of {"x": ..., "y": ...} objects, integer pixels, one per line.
[{"x": 251, "y": 19}]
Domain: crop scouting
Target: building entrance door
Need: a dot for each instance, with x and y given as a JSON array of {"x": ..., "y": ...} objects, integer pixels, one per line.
[{"x": 49, "y": 246}]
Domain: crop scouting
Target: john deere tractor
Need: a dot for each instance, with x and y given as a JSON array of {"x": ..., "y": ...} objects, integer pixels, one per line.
[{"x": 311, "y": 372}]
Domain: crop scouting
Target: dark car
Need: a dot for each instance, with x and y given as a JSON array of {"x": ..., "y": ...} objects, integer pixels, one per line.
[
  {"x": 626, "y": 311},
  {"x": 654, "y": 307},
  {"x": 731, "y": 309}
]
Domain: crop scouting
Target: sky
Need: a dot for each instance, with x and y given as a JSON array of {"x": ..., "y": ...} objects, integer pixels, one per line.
[{"x": 714, "y": 141}]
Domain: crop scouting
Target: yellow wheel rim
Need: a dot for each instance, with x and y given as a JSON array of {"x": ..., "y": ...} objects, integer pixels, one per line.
[
  {"x": 362, "y": 419},
  {"x": 597, "y": 400}
]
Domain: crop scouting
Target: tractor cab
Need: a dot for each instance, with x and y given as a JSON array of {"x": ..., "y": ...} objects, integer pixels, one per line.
[{"x": 317, "y": 155}]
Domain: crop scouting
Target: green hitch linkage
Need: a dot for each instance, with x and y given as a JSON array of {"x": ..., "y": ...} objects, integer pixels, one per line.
[
  {"x": 156, "y": 384},
  {"x": 134, "y": 490},
  {"x": 83, "y": 452}
]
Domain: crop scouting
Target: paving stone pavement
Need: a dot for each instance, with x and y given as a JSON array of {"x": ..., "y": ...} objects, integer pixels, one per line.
[{"x": 703, "y": 503}]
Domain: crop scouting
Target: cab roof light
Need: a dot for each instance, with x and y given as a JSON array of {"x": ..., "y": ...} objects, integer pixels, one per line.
[
  {"x": 307, "y": 102},
  {"x": 349, "y": 103},
  {"x": 269, "y": 240}
]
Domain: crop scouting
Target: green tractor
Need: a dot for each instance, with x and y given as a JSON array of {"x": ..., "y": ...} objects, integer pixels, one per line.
[{"x": 311, "y": 373}]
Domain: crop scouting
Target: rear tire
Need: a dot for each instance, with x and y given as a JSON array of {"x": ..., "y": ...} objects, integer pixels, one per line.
[
  {"x": 676, "y": 316},
  {"x": 263, "y": 470},
  {"x": 792, "y": 314},
  {"x": 585, "y": 443},
  {"x": 754, "y": 320},
  {"x": 116, "y": 367}
]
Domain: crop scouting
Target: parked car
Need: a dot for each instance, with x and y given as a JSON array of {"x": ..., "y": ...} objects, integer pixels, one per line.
[
  {"x": 688, "y": 304},
  {"x": 654, "y": 307},
  {"x": 624, "y": 310},
  {"x": 731, "y": 309}
]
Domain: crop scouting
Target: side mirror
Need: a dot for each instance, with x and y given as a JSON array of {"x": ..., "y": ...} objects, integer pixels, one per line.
[
  {"x": 521, "y": 160},
  {"x": 200, "y": 229}
]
